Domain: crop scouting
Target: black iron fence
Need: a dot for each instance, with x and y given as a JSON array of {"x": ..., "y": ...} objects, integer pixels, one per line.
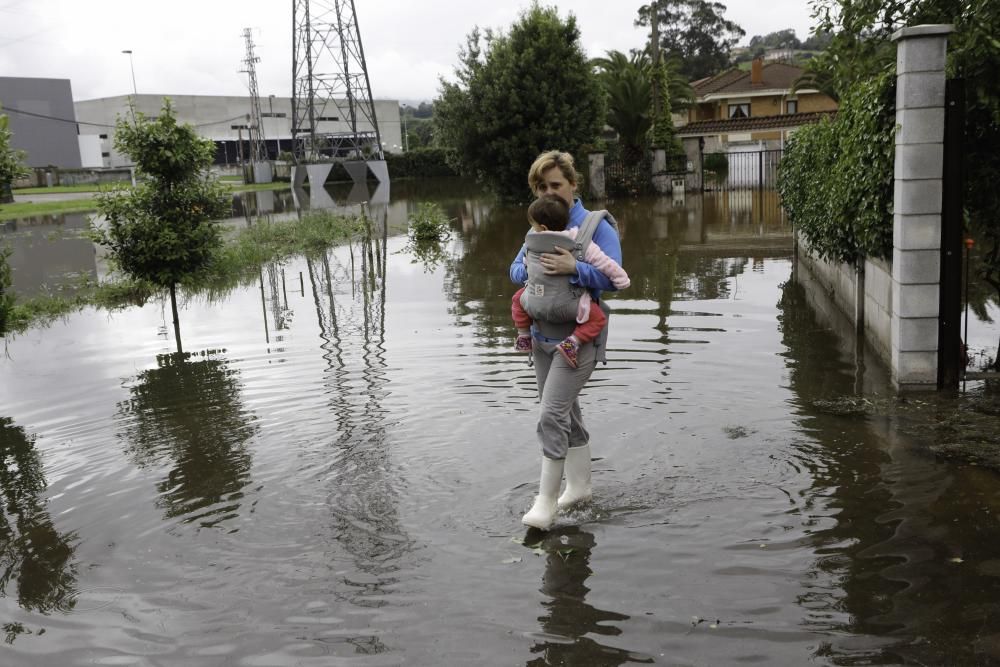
[
  {"x": 625, "y": 177},
  {"x": 749, "y": 170}
]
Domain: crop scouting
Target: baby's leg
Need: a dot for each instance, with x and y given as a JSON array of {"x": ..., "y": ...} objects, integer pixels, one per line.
[
  {"x": 589, "y": 330},
  {"x": 523, "y": 323}
]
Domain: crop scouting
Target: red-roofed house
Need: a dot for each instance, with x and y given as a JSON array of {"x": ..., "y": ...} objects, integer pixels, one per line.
[{"x": 738, "y": 110}]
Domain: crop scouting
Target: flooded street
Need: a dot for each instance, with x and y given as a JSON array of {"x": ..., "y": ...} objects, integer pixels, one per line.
[{"x": 335, "y": 470}]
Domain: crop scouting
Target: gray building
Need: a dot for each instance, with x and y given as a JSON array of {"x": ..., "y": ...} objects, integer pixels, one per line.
[
  {"x": 42, "y": 120},
  {"x": 224, "y": 120}
]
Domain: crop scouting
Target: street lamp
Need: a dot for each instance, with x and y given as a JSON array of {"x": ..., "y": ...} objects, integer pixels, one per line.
[
  {"x": 135, "y": 93},
  {"x": 132, "y": 67}
]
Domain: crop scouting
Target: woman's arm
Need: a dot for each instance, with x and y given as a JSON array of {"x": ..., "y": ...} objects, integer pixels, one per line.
[{"x": 518, "y": 269}]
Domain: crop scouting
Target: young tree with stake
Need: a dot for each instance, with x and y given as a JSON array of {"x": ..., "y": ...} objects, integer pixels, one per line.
[{"x": 161, "y": 230}]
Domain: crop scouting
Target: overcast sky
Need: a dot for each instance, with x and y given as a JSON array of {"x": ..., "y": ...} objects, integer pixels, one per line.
[{"x": 196, "y": 47}]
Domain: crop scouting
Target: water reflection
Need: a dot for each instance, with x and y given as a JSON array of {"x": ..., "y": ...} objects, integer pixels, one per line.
[
  {"x": 34, "y": 556},
  {"x": 671, "y": 253},
  {"x": 188, "y": 411},
  {"x": 349, "y": 291},
  {"x": 50, "y": 254},
  {"x": 886, "y": 546},
  {"x": 569, "y": 620}
]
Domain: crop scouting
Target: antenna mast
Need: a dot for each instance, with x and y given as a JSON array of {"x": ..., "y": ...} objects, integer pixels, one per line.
[{"x": 258, "y": 149}]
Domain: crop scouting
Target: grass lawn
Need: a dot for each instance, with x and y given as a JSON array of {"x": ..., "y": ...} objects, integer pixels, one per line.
[
  {"x": 29, "y": 209},
  {"x": 56, "y": 189}
]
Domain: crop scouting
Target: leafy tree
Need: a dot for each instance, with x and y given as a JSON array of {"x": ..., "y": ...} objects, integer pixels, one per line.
[
  {"x": 11, "y": 162},
  {"x": 516, "y": 95},
  {"x": 627, "y": 84},
  {"x": 696, "y": 33},
  {"x": 662, "y": 133},
  {"x": 780, "y": 39},
  {"x": 161, "y": 230}
]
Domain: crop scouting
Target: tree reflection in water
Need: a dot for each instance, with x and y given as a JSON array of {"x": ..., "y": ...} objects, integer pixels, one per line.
[
  {"x": 32, "y": 552},
  {"x": 188, "y": 410},
  {"x": 569, "y": 618}
]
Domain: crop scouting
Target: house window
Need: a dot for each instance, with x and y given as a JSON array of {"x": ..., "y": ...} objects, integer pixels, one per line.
[
  {"x": 739, "y": 110},
  {"x": 105, "y": 154},
  {"x": 275, "y": 114},
  {"x": 102, "y": 136},
  {"x": 327, "y": 118},
  {"x": 792, "y": 106}
]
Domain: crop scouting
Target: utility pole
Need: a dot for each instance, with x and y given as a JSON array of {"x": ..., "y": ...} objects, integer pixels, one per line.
[{"x": 258, "y": 148}]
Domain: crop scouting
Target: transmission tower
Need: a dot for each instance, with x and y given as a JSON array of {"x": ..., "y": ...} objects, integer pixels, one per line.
[
  {"x": 330, "y": 84},
  {"x": 258, "y": 150}
]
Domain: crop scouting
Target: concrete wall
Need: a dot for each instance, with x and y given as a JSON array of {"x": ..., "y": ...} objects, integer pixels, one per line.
[
  {"x": 843, "y": 289},
  {"x": 42, "y": 120},
  {"x": 217, "y": 117}
]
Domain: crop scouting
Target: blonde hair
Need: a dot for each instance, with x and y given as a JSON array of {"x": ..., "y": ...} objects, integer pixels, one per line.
[{"x": 546, "y": 161}]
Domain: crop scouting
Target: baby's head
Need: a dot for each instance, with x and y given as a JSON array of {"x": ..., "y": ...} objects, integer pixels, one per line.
[{"x": 548, "y": 213}]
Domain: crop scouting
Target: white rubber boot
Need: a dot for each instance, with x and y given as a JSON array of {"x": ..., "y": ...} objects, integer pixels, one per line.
[
  {"x": 543, "y": 512},
  {"x": 577, "y": 477}
]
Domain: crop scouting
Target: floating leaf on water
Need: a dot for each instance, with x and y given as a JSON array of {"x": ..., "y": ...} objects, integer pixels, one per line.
[{"x": 512, "y": 559}]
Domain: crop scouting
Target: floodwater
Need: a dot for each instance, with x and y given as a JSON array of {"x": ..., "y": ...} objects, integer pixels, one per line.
[{"x": 334, "y": 471}]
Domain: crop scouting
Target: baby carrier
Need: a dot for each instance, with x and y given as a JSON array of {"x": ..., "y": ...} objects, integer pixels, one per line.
[{"x": 551, "y": 301}]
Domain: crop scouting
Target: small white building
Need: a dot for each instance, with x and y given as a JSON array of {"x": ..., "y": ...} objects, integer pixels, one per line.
[{"x": 226, "y": 119}]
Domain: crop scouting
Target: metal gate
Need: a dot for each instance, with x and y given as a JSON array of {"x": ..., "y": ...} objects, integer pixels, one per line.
[
  {"x": 628, "y": 178},
  {"x": 746, "y": 170}
]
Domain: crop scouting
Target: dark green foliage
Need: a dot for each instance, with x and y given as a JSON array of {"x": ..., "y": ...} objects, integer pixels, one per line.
[
  {"x": 518, "y": 94},
  {"x": 11, "y": 163},
  {"x": 662, "y": 133},
  {"x": 860, "y": 48},
  {"x": 421, "y": 163},
  {"x": 716, "y": 164},
  {"x": 836, "y": 176},
  {"x": 696, "y": 33},
  {"x": 428, "y": 223},
  {"x": 627, "y": 84},
  {"x": 6, "y": 298},
  {"x": 161, "y": 230}
]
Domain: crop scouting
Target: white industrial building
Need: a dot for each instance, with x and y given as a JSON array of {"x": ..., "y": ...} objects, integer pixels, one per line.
[{"x": 224, "y": 120}]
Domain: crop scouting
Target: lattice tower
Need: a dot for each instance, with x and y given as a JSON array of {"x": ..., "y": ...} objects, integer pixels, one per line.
[
  {"x": 258, "y": 150},
  {"x": 330, "y": 83}
]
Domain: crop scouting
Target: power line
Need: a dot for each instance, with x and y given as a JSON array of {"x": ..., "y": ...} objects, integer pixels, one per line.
[{"x": 5, "y": 109}]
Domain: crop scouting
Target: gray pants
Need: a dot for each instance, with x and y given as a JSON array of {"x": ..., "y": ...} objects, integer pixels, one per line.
[{"x": 560, "y": 424}]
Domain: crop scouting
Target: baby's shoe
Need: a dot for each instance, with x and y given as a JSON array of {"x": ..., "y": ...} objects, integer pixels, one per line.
[
  {"x": 568, "y": 348},
  {"x": 523, "y": 343}
]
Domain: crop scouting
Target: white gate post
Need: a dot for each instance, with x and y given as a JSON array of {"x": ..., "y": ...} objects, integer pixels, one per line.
[{"x": 917, "y": 190}]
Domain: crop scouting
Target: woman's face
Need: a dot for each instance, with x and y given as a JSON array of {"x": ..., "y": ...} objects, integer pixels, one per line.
[{"x": 555, "y": 183}]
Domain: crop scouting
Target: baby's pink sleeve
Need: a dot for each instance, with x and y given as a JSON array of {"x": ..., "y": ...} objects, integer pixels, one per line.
[{"x": 607, "y": 266}]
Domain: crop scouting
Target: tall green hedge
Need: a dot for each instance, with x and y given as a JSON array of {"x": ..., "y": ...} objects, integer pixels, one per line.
[
  {"x": 421, "y": 163},
  {"x": 836, "y": 177}
]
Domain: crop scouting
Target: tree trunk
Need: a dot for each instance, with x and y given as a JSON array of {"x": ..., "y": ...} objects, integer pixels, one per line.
[{"x": 177, "y": 320}]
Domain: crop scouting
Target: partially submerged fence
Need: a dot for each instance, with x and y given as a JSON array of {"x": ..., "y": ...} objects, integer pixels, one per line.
[{"x": 741, "y": 170}]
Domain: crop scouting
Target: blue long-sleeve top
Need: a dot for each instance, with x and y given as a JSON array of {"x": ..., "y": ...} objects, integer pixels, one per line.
[{"x": 586, "y": 275}]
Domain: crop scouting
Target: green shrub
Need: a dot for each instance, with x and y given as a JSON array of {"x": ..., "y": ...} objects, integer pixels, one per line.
[
  {"x": 836, "y": 177},
  {"x": 718, "y": 164},
  {"x": 429, "y": 223},
  {"x": 6, "y": 298},
  {"x": 421, "y": 163}
]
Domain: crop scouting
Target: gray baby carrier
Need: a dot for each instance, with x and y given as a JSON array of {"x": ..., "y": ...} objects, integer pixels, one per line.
[{"x": 551, "y": 301}]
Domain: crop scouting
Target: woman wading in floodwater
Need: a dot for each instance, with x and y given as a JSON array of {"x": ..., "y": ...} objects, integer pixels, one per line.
[{"x": 561, "y": 431}]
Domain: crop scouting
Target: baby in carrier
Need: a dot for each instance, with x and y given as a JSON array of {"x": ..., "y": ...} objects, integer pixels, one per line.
[{"x": 551, "y": 297}]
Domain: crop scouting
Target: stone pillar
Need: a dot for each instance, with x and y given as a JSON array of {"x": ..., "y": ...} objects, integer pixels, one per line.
[
  {"x": 661, "y": 180},
  {"x": 595, "y": 176},
  {"x": 916, "y": 254}
]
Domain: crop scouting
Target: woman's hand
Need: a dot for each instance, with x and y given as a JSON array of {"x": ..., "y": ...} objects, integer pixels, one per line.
[{"x": 560, "y": 263}]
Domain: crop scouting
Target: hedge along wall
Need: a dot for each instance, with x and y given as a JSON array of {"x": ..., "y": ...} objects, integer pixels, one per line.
[{"x": 836, "y": 184}]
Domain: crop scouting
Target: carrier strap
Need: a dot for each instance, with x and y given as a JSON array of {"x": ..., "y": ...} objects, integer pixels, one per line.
[{"x": 585, "y": 234}]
